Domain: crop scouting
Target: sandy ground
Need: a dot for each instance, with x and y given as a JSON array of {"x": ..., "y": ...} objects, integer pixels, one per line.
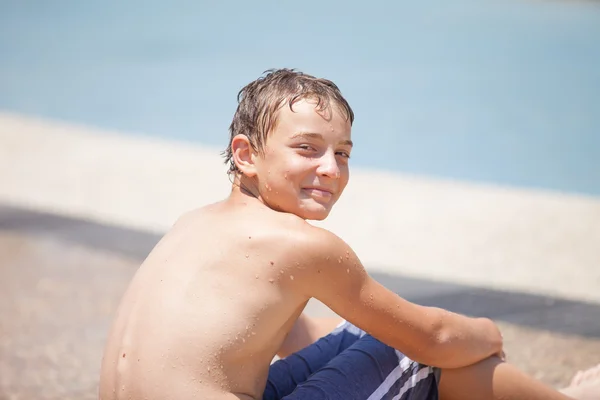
[{"x": 79, "y": 209}]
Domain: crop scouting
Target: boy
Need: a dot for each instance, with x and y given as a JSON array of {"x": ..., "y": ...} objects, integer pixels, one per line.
[{"x": 223, "y": 292}]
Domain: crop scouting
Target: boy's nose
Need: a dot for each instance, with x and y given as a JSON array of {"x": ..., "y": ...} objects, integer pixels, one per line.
[{"x": 328, "y": 166}]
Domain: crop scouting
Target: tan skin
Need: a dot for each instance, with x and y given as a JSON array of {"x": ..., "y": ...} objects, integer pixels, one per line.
[{"x": 224, "y": 290}]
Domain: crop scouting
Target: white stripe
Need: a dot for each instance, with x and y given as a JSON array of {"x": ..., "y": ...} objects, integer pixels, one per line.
[
  {"x": 391, "y": 378},
  {"x": 412, "y": 382}
]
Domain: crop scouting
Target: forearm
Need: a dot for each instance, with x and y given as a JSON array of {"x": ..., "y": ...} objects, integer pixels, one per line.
[{"x": 463, "y": 341}]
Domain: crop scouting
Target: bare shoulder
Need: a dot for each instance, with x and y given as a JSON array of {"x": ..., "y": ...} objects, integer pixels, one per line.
[
  {"x": 309, "y": 242},
  {"x": 317, "y": 257},
  {"x": 290, "y": 239}
]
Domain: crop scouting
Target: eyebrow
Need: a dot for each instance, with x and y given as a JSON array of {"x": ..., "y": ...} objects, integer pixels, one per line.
[{"x": 313, "y": 135}]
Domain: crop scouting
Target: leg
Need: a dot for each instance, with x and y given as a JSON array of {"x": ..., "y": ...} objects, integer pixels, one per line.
[
  {"x": 492, "y": 379},
  {"x": 369, "y": 370},
  {"x": 306, "y": 331},
  {"x": 287, "y": 373}
]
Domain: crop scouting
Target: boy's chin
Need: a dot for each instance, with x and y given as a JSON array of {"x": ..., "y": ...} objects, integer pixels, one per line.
[{"x": 314, "y": 213}]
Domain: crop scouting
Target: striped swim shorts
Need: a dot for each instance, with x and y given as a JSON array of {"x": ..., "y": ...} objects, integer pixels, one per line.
[{"x": 350, "y": 364}]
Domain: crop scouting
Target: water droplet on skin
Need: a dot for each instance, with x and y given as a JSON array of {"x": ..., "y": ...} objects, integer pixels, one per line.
[
  {"x": 340, "y": 260},
  {"x": 371, "y": 296},
  {"x": 347, "y": 270},
  {"x": 318, "y": 271},
  {"x": 208, "y": 369},
  {"x": 271, "y": 280},
  {"x": 272, "y": 263},
  {"x": 281, "y": 271},
  {"x": 347, "y": 254},
  {"x": 285, "y": 176},
  {"x": 253, "y": 333},
  {"x": 256, "y": 276},
  {"x": 292, "y": 277},
  {"x": 247, "y": 255},
  {"x": 243, "y": 340}
]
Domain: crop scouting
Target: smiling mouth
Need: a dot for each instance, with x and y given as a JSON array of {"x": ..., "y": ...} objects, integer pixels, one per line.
[{"x": 323, "y": 193}]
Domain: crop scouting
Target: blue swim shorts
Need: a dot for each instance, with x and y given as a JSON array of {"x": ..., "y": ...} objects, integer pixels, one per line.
[{"x": 350, "y": 364}]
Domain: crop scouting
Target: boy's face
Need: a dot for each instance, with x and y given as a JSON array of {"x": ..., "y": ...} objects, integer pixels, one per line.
[{"x": 304, "y": 169}]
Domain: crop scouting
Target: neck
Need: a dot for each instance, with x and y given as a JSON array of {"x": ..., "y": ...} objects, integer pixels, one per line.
[{"x": 245, "y": 187}]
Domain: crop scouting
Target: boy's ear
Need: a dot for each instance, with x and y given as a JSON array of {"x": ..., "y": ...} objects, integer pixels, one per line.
[{"x": 243, "y": 155}]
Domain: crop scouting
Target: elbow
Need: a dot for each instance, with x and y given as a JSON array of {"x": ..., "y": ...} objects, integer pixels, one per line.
[
  {"x": 429, "y": 344},
  {"x": 431, "y": 351},
  {"x": 441, "y": 344},
  {"x": 451, "y": 348},
  {"x": 438, "y": 351}
]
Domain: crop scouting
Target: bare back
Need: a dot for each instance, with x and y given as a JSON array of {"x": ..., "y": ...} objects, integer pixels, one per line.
[{"x": 207, "y": 310}]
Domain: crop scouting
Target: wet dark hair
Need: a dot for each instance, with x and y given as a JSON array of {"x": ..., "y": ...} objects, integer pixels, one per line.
[{"x": 260, "y": 101}]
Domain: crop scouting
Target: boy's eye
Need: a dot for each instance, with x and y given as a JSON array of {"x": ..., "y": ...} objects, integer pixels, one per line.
[
  {"x": 344, "y": 154},
  {"x": 305, "y": 147}
]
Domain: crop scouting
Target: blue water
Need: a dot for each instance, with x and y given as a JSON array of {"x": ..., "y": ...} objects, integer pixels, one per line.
[{"x": 505, "y": 92}]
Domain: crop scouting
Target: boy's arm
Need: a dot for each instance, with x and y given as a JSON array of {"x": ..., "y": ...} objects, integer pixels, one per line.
[{"x": 333, "y": 274}]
